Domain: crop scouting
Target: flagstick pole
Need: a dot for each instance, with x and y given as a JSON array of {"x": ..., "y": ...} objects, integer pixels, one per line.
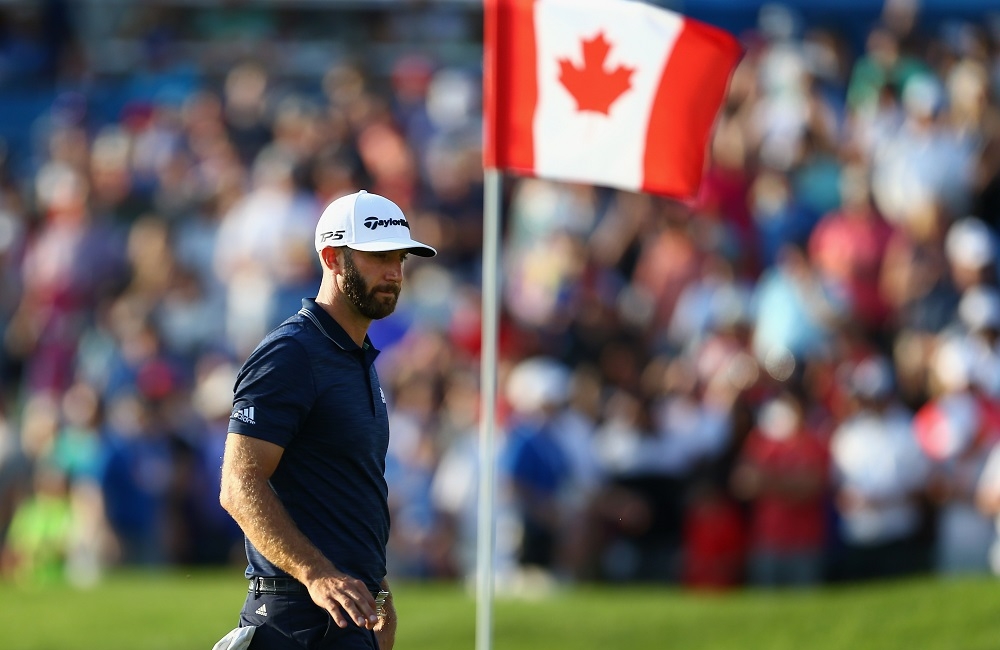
[{"x": 486, "y": 538}]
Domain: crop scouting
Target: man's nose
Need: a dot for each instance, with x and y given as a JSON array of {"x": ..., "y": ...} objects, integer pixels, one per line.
[{"x": 394, "y": 272}]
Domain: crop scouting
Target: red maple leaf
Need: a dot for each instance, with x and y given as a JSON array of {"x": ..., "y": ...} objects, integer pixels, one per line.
[{"x": 594, "y": 88}]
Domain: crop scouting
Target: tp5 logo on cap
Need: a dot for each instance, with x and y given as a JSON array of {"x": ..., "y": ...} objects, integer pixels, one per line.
[
  {"x": 381, "y": 228},
  {"x": 331, "y": 236}
]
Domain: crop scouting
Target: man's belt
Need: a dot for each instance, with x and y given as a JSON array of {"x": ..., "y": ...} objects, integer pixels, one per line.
[{"x": 259, "y": 585}]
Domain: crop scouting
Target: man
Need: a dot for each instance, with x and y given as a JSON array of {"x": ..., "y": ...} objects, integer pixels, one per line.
[
  {"x": 880, "y": 476},
  {"x": 303, "y": 472}
]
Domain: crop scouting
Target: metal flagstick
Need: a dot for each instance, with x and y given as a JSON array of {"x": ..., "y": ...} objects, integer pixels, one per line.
[{"x": 486, "y": 538}]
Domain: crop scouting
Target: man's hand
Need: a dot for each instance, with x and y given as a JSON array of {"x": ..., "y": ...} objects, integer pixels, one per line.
[{"x": 346, "y": 599}]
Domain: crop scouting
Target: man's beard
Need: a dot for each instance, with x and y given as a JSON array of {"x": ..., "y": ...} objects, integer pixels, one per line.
[{"x": 364, "y": 299}]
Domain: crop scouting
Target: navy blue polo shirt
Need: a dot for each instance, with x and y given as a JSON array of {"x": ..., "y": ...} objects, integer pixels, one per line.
[{"x": 310, "y": 389}]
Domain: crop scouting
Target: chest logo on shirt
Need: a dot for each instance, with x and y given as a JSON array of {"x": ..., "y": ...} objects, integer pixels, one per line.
[
  {"x": 382, "y": 394},
  {"x": 243, "y": 415}
]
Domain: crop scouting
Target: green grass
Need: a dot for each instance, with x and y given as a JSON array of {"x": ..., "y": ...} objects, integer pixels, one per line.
[{"x": 191, "y": 610}]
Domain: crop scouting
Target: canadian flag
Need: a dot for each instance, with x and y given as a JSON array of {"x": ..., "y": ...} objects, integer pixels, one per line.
[{"x": 604, "y": 92}]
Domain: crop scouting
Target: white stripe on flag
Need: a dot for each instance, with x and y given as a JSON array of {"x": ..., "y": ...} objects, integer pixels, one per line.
[{"x": 640, "y": 39}]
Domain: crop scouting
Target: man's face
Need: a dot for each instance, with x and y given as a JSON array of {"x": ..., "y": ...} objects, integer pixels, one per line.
[{"x": 380, "y": 300}]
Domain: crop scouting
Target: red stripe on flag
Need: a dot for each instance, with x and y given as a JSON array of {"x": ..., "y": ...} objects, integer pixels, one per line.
[
  {"x": 510, "y": 85},
  {"x": 687, "y": 101}
]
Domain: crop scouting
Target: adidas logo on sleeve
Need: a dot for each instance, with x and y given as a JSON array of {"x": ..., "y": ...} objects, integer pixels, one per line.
[{"x": 244, "y": 415}]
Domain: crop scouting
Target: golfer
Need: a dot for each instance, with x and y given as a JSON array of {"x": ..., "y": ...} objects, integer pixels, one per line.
[{"x": 304, "y": 466}]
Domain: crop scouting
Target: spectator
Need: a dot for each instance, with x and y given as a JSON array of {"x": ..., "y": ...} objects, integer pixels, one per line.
[
  {"x": 538, "y": 464},
  {"x": 882, "y": 66},
  {"x": 214, "y": 537},
  {"x": 135, "y": 481},
  {"x": 409, "y": 471},
  {"x": 794, "y": 308},
  {"x": 455, "y": 493},
  {"x": 979, "y": 316},
  {"x": 79, "y": 452},
  {"x": 783, "y": 474},
  {"x": 259, "y": 249},
  {"x": 64, "y": 270},
  {"x": 246, "y": 110},
  {"x": 653, "y": 447},
  {"x": 880, "y": 475},
  {"x": 847, "y": 248},
  {"x": 641, "y": 509},
  {"x": 37, "y": 545},
  {"x": 956, "y": 433}
]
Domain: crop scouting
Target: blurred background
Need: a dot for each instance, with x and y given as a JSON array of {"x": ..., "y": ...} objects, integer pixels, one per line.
[{"x": 793, "y": 381}]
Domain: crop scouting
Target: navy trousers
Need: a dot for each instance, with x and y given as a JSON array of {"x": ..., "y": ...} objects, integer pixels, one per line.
[{"x": 295, "y": 622}]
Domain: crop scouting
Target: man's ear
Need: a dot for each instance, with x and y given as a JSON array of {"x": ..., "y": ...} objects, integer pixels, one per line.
[{"x": 330, "y": 258}]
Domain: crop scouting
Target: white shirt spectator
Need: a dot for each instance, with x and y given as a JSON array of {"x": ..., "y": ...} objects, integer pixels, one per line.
[{"x": 876, "y": 456}]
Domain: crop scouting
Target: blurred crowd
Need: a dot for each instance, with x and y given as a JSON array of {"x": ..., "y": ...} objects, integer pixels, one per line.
[{"x": 793, "y": 380}]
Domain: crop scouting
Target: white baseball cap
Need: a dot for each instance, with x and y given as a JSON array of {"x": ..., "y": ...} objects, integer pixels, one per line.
[{"x": 367, "y": 222}]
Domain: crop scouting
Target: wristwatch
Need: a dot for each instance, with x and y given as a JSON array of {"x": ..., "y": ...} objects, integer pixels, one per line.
[{"x": 380, "y": 602}]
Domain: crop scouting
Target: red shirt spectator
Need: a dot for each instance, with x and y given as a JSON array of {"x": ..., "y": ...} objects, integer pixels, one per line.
[
  {"x": 783, "y": 470},
  {"x": 848, "y": 249}
]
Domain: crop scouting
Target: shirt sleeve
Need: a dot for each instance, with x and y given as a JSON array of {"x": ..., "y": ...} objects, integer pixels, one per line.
[{"x": 274, "y": 392}]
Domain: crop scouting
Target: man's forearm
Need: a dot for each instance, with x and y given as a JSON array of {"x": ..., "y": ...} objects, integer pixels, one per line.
[{"x": 271, "y": 530}]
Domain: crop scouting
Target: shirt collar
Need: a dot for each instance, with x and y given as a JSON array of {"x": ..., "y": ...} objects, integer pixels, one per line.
[{"x": 332, "y": 329}]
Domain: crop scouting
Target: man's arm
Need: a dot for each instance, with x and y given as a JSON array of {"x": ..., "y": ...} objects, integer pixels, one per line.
[
  {"x": 385, "y": 631},
  {"x": 246, "y": 495}
]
